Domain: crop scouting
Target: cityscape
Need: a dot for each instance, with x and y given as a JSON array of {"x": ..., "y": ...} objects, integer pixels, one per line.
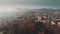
[
  {"x": 32, "y": 21},
  {"x": 29, "y": 16}
]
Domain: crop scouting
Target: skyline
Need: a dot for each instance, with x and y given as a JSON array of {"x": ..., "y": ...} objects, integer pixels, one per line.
[{"x": 6, "y": 5}]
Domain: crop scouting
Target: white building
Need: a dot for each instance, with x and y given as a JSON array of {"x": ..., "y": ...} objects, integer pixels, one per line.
[
  {"x": 52, "y": 23},
  {"x": 39, "y": 18},
  {"x": 58, "y": 23}
]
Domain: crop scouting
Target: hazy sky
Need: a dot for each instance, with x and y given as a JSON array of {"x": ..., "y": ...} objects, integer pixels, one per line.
[
  {"x": 8, "y": 6},
  {"x": 12, "y": 4}
]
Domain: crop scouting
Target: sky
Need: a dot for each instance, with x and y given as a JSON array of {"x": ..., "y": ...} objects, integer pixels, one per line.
[{"x": 11, "y": 5}]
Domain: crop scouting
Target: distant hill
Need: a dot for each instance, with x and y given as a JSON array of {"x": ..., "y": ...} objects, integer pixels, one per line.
[{"x": 46, "y": 10}]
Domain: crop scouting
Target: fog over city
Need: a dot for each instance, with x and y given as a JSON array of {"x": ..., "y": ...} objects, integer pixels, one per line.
[
  {"x": 29, "y": 16},
  {"x": 10, "y": 6}
]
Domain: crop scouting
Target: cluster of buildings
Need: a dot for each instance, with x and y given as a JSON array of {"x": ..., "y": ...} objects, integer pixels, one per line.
[{"x": 50, "y": 20}]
